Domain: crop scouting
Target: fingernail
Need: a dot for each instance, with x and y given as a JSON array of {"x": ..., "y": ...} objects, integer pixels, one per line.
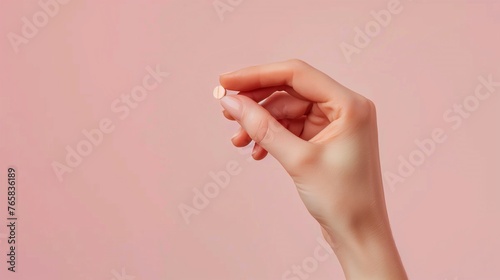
[
  {"x": 225, "y": 73},
  {"x": 234, "y": 135},
  {"x": 232, "y": 106}
]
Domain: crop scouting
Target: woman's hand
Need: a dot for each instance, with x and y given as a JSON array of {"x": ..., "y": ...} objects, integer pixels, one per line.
[{"x": 325, "y": 136}]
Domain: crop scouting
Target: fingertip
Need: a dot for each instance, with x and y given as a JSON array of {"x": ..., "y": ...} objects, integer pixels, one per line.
[
  {"x": 225, "y": 73},
  {"x": 258, "y": 153},
  {"x": 233, "y": 106},
  {"x": 260, "y": 156},
  {"x": 241, "y": 138},
  {"x": 224, "y": 78},
  {"x": 227, "y": 115},
  {"x": 231, "y": 80}
]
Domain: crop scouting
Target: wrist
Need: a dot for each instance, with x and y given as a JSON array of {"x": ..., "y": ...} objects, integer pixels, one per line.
[{"x": 365, "y": 246}]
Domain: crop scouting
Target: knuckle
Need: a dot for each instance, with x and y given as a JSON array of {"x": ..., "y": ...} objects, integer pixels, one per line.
[
  {"x": 298, "y": 63},
  {"x": 304, "y": 161},
  {"x": 262, "y": 133},
  {"x": 295, "y": 67},
  {"x": 360, "y": 110}
]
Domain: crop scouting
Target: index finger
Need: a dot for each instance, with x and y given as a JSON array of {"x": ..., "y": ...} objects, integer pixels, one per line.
[{"x": 306, "y": 80}]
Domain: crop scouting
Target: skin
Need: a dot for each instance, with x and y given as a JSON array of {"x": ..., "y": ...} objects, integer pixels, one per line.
[{"x": 325, "y": 137}]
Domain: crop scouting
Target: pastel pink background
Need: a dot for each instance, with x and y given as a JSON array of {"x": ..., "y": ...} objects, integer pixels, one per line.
[{"x": 119, "y": 208}]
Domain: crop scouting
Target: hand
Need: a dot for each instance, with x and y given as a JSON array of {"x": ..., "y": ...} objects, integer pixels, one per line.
[{"x": 325, "y": 136}]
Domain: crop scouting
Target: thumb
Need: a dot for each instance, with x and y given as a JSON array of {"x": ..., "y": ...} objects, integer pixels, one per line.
[{"x": 265, "y": 130}]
